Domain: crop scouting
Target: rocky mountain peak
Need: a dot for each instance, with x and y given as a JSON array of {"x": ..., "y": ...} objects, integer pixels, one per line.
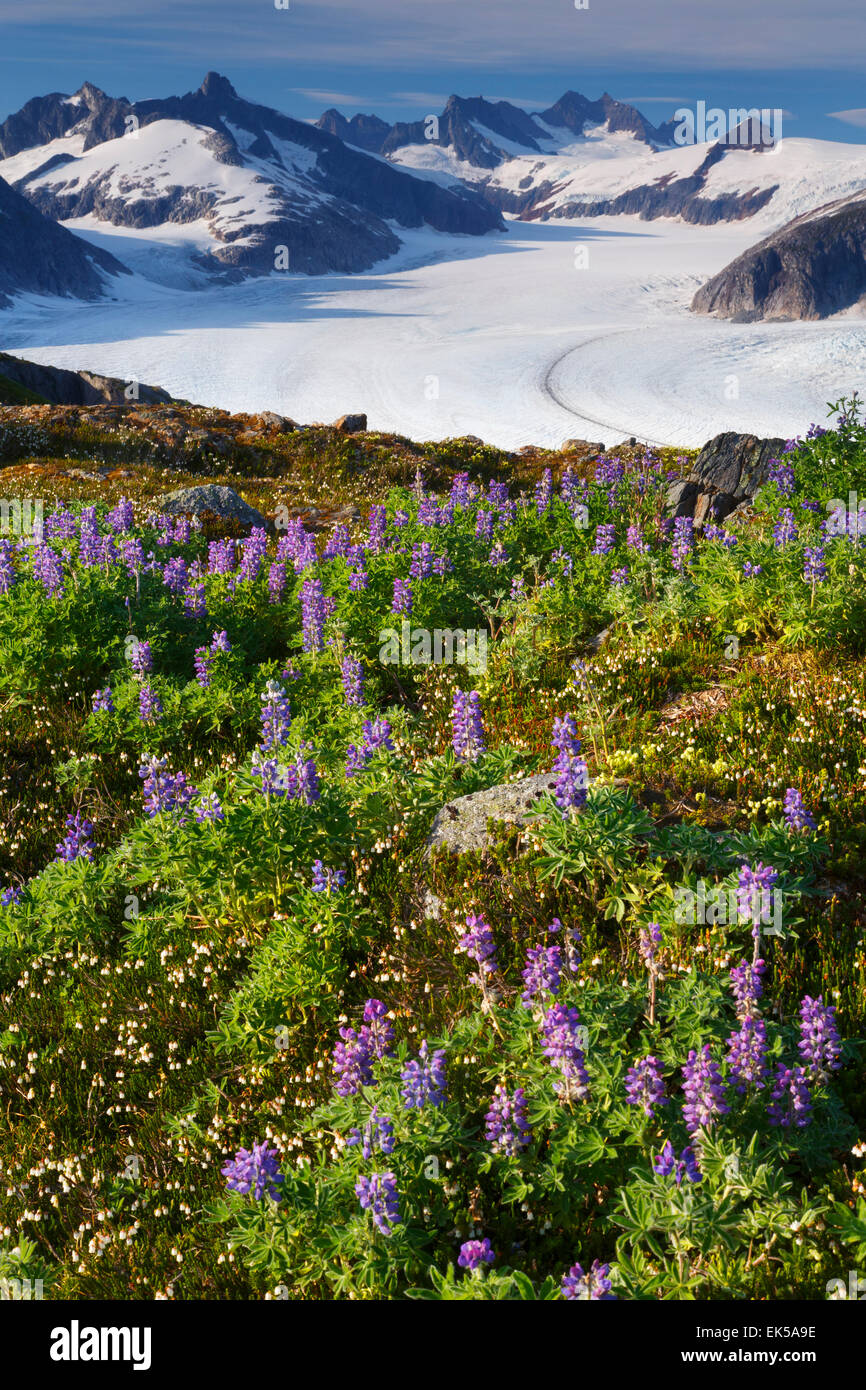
[{"x": 218, "y": 87}]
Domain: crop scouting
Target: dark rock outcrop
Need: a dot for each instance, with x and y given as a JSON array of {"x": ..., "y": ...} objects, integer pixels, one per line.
[
  {"x": 813, "y": 267},
  {"x": 728, "y": 471}
]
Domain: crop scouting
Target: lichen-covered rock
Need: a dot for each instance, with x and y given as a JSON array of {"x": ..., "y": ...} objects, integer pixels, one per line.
[
  {"x": 213, "y": 500},
  {"x": 461, "y": 825}
]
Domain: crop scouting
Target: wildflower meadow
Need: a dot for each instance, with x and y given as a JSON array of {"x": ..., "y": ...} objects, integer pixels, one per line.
[{"x": 264, "y": 1035}]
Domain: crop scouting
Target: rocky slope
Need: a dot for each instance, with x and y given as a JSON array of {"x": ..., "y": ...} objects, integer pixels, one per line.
[
  {"x": 815, "y": 266},
  {"x": 38, "y": 257}
]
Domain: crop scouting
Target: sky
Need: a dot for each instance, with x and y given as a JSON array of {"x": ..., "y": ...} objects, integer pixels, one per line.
[{"x": 402, "y": 58}]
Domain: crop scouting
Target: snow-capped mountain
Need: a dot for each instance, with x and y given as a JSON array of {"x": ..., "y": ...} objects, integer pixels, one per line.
[
  {"x": 582, "y": 158},
  {"x": 486, "y": 134},
  {"x": 242, "y": 188},
  {"x": 38, "y": 257}
]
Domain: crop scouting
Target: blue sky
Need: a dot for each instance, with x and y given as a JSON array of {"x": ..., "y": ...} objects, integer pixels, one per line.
[{"x": 401, "y": 58}]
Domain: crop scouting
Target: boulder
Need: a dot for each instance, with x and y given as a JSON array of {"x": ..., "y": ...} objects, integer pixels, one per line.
[
  {"x": 580, "y": 446},
  {"x": 461, "y": 825},
  {"x": 728, "y": 471},
  {"x": 213, "y": 500},
  {"x": 351, "y": 424}
]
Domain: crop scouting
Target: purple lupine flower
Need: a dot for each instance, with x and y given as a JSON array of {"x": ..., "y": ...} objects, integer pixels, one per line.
[
  {"x": 649, "y": 940},
  {"x": 181, "y": 531},
  {"x": 424, "y": 1079},
  {"x": 542, "y": 974},
  {"x": 747, "y": 986},
  {"x": 132, "y": 555},
  {"x": 359, "y": 579},
  {"x": 796, "y": 814},
  {"x": 683, "y": 541},
  {"x": 484, "y": 525},
  {"x": 276, "y": 718},
  {"x": 376, "y": 532},
  {"x": 221, "y": 557},
  {"x": 275, "y": 780},
  {"x": 194, "y": 601},
  {"x": 620, "y": 576},
  {"x": 276, "y": 581},
  {"x": 820, "y": 1045},
  {"x": 402, "y": 601},
  {"x": 401, "y": 518},
  {"x": 782, "y": 474},
  {"x": 121, "y": 517},
  {"x": 220, "y": 642},
  {"x": 718, "y": 533},
  {"x": 572, "y": 941},
  {"x": 572, "y": 773},
  {"x": 103, "y": 702},
  {"x": 140, "y": 657},
  {"x": 784, "y": 530},
  {"x": 427, "y": 511},
  {"x": 563, "y": 1045},
  {"x": 158, "y": 789},
  {"x": 337, "y": 543},
  {"x": 352, "y": 673},
  {"x": 378, "y": 1134},
  {"x": 174, "y": 576},
  {"x": 477, "y": 943},
  {"x": 257, "y": 1172},
  {"x": 378, "y": 1028},
  {"x": 326, "y": 880},
  {"x": 791, "y": 1100},
  {"x": 755, "y": 895},
  {"x": 593, "y": 1287},
  {"x": 475, "y": 1253},
  {"x": 307, "y": 788},
  {"x": 751, "y": 571},
  {"x": 814, "y": 569},
  {"x": 605, "y": 539},
  {"x": 544, "y": 492},
  {"x": 48, "y": 569},
  {"x": 685, "y": 1167},
  {"x": 254, "y": 549},
  {"x": 506, "y": 1127},
  {"x": 645, "y": 1086},
  {"x": 7, "y": 567},
  {"x": 747, "y": 1052},
  {"x": 313, "y": 615},
  {"x": 498, "y": 555},
  {"x": 201, "y": 662},
  {"x": 422, "y": 560},
  {"x": 149, "y": 705},
  {"x": 378, "y": 1195},
  {"x": 209, "y": 809},
  {"x": 10, "y": 896},
  {"x": 77, "y": 843},
  {"x": 704, "y": 1090},
  {"x": 460, "y": 490},
  {"x": 352, "y": 1062},
  {"x": 468, "y": 731},
  {"x": 635, "y": 541}
]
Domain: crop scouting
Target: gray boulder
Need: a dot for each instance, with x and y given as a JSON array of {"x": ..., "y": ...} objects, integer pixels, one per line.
[
  {"x": 461, "y": 825},
  {"x": 213, "y": 500}
]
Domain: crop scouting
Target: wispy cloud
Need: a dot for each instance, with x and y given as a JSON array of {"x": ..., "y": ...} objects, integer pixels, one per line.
[{"x": 856, "y": 116}]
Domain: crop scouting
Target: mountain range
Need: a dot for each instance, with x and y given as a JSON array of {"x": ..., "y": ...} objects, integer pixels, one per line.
[{"x": 209, "y": 188}]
